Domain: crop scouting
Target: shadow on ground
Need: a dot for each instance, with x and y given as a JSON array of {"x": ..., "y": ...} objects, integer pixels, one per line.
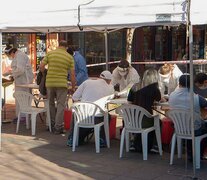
[{"x": 46, "y": 156}]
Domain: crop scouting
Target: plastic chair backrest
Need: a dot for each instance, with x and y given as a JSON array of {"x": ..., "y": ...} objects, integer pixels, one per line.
[
  {"x": 84, "y": 112},
  {"x": 24, "y": 99},
  {"x": 182, "y": 121},
  {"x": 133, "y": 116}
]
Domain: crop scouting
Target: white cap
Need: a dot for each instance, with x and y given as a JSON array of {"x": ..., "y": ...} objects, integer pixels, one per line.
[{"x": 106, "y": 75}]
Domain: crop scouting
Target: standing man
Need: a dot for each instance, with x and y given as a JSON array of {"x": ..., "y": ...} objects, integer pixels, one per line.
[
  {"x": 59, "y": 63},
  {"x": 181, "y": 99},
  {"x": 81, "y": 71}
]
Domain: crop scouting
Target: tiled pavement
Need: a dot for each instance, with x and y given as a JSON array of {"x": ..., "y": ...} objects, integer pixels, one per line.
[{"x": 46, "y": 156}]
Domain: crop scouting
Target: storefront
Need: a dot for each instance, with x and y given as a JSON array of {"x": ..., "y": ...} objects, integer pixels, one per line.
[
  {"x": 161, "y": 43},
  {"x": 92, "y": 46}
]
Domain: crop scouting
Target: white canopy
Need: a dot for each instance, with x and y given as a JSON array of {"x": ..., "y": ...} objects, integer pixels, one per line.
[
  {"x": 198, "y": 12},
  {"x": 62, "y": 15}
]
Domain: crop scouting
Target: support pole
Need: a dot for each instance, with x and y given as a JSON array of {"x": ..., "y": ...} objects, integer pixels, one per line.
[
  {"x": 190, "y": 28},
  {"x": 1, "y": 88},
  {"x": 106, "y": 48}
]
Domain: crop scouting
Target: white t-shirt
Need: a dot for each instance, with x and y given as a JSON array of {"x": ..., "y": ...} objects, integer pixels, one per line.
[{"x": 92, "y": 90}]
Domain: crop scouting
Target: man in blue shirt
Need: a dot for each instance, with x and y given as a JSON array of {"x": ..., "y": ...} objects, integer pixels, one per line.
[
  {"x": 81, "y": 71},
  {"x": 181, "y": 99}
]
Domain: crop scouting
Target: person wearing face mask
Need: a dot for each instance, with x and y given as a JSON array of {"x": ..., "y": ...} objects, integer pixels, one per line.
[
  {"x": 21, "y": 69},
  {"x": 200, "y": 84},
  {"x": 123, "y": 77}
]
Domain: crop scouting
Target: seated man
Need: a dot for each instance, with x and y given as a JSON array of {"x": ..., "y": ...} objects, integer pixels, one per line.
[
  {"x": 92, "y": 90},
  {"x": 180, "y": 99},
  {"x": 200, "y": 84}
]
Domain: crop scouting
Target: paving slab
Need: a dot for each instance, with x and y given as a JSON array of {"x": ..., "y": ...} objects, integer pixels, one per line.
[{"x": 46, "y": 156}]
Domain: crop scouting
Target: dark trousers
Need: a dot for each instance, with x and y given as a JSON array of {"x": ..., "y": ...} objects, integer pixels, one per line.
[
  {"x": 85, "y": 132},
  {"x": 199, "y": 132}
]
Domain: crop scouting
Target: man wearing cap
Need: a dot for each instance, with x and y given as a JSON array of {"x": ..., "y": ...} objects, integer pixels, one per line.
[
  {"x": 92, "y": 90},
  {"x": 181, "y": 99},
  {"x": 124, "y": 76}
]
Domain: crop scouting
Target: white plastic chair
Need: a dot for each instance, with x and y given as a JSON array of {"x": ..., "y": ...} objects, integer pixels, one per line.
[
  {"x": 84, "y": 117},
  {"x": 133, "y": 117},
  {"x": 182, "y": 124},
  {"x": 24, "y": 99}
]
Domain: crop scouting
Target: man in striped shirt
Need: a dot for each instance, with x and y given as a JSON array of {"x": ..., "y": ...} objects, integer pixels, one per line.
[{"x": 59, "y": 63}]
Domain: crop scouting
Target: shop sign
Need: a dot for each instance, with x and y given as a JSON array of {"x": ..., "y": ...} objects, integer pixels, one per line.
[{"x": 163, "y": 17}]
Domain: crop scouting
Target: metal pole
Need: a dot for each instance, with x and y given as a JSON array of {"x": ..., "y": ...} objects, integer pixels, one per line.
[
  {"x": 191, "y": 86},
  {"x": 1, "y": 87},
  {"x": 106, "y": 48}
]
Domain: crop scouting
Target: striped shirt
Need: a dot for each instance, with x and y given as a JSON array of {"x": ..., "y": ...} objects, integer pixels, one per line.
[{"x": 59, "y": 63}]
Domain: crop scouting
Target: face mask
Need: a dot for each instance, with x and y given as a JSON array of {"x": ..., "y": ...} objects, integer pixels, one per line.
[
  {"x": 11, "y": 58},
  {"x": 123, "y": 73},
  {"x": 202, "y": 87}
]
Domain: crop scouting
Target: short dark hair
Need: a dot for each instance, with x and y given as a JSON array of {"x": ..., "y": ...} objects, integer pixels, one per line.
[
  {"x": 63, "y": 43},
  {"x": 70, "y": 51},
  {"x": 184, "y": 80},
  {"x": 200, "y": 78},
  {"x": 123, "y": 64},
  {"x": 9, "y": 49}
]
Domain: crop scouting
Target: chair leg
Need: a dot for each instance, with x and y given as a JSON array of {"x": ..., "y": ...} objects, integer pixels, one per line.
[
  {"x": 75, "y": 133},
  {"x": 77, "y": 137},
  {"x": 48, "y": 119},
  {"x": 122, "y": 143},
  {"x": 106, "y": 130},
  {"x": 179, "y": 146},
  {"x": 18, "y": 120},
  {"x": 33, "y": 123},
  {"x": 158, "y": 137},
  {"x": 197, "y": 152},
  {"x": 172, "y": 148},
  {"x": 97, "y": 136},
  {"x": 144, "y": 145},
  {"x": 27, "y": 121},
  {"x": 127, "y": 140}
]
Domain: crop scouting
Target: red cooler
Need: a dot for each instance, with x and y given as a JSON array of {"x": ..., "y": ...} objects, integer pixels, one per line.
[
  {"x": 67, "y": 118},
  {"x": 112, "y": 127},
  {"x": 167, "y": 130}
]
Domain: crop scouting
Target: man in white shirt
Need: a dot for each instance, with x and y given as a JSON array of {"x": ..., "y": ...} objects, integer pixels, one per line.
[{"x": 92, "y": 90}]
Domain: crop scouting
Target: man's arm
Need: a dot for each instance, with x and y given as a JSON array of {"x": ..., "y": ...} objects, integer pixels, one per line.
[
  {"x": 42, "y": 67},
  {"x": 78, "y": 93}
]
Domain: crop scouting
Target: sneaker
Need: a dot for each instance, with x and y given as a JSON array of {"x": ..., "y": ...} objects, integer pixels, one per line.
[
  {"x": 70, "y": 142},
  {"x": 58, "y": 131},
  {"x": 132, "y": 148},
  {"x": 102, "y": 143},
  {"x": 154, "y": 149}
]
